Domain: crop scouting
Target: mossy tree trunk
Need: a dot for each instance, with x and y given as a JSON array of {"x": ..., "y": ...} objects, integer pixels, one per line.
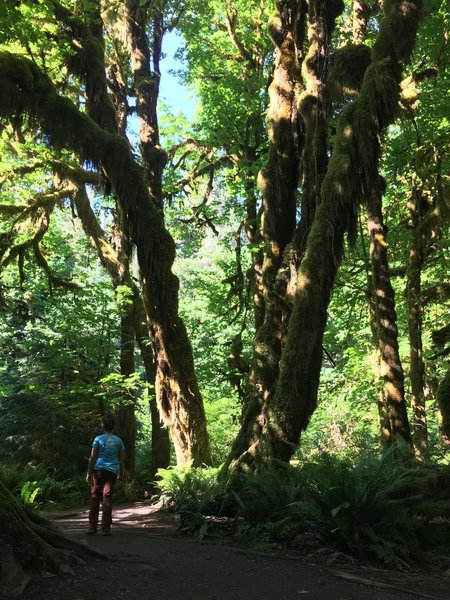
[
  {"x": 26, "y": 89},
  {"x": 160, "y": 434},
  {"x": 415, "y": 323},
  {"x": 313, "y": 111},
  {"x": 385, "y": 423},
  {"x": 277, "y": 181},
  {"x": 351, "y": 175},
  {"x": 170, "y": 342},
  {"x": 429, "y": 208},
  {"x": 30, "y": 545},
  {"x": 385, "y": 318},
  {"x": 297, "y": 122},
  {"x": 178, "y": 396}
]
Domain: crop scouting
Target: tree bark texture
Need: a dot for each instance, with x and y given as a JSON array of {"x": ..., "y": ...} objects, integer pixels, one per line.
[
  {"x": 391, "y": 369},
  {"x": 427, "y": 211},
  {"x": 385, "y": 423},
  {"x": 277, "y": 181},
  {"x": 360, "y": 18},
  {"x": 351, "y": 175},
  {"x": 30, "y": 545},
  {"x": 415, "y": 323},
  {"x": 171, "y": 343}
]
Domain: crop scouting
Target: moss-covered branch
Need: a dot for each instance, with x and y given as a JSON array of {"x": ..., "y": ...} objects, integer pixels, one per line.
[
  {"x": 25, "y": 89},
  {"x": 32, "y": 217},
  {"x": 351, "y": 175}
]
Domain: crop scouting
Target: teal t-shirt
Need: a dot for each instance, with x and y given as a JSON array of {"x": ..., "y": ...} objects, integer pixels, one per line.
[{"x": 108, "y": 449}]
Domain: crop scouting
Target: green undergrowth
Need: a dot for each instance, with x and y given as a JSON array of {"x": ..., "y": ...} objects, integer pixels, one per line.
[
  {"x": 49, "y": 490},
  {"x": 387, "y": 509},
  {"x": 43, "y": 489}
]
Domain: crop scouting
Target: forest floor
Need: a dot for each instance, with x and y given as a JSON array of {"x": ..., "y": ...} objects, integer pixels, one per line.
[{"x": 147, "y": 558}]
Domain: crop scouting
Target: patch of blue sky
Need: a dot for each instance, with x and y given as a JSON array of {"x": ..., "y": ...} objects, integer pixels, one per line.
[{"x": 174, "y": 95}]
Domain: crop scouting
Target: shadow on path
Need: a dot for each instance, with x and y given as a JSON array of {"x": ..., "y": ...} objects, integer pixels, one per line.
[{"x": 147, "y": 559}]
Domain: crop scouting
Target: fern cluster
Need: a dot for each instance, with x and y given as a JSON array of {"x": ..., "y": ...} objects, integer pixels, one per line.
[
  {"x": 42, "y": 489},
  {"x": 387, "y": 509}
]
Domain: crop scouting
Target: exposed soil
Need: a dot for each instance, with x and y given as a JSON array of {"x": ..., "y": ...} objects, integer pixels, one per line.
[{"x": 146, "y": 558}]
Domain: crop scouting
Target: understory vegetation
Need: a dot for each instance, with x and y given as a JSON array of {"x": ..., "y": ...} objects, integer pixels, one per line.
[
  {"x": 248, "y": 269},
  {"x": 382, "y": 509}
]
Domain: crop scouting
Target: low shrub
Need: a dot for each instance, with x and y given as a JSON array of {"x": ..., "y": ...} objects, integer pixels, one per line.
[
  {"x": 388, "y": 508},
  {"x": 41, "y": 489}
]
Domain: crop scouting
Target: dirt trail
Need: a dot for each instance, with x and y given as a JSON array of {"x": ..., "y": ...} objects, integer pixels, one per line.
[{"x": 149, "y": 560}]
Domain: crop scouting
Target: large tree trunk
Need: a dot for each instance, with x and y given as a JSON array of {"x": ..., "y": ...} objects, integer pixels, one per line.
[
  {"x": 171, "y": 346},
  {"x": 351, "y": 175},
  {"x": 139, "y": 196},
  {"x": 29, "y": 545},
  {"x": 136, "y": 329},
  {"x": 415, "y": 320},
  {"x": 24, "y": 87},
  {"x": 385, "y": 316},
  {"x": 160, "y": 433},
  {"x": 428, "y": 211},
  {"x": 297, "y": 123},
  {"x": 278, "y": 181}
]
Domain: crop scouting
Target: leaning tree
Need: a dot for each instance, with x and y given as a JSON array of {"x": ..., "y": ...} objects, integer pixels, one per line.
[{"x": 96, "y": 137}]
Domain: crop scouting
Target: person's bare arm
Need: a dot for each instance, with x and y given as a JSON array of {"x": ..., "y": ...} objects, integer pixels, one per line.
[{"x": 92, "y": 459}]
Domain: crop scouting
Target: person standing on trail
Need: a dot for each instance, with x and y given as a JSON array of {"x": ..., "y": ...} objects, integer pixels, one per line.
[{"x": 104, "y": 468}]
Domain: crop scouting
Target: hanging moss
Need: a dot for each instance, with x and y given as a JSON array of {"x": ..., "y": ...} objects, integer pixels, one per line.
[
  {"x": 275, "y": 30},
  {"x": 396, "y": 38},
  {"x": 347, "y": 70},
  {"x": 87, "y": 62}
]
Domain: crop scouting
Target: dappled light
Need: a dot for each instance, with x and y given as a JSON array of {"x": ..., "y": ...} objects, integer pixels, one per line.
[{"x": 255, "y": 292}]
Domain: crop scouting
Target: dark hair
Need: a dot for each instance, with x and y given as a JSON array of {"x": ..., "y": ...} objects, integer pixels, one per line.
[{"x": 108, "y": 423}]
